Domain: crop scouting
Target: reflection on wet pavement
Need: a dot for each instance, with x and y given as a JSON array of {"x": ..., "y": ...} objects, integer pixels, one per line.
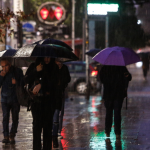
[{"x": 83, "y": 127}]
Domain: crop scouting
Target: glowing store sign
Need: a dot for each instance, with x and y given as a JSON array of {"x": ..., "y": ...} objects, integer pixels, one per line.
[{"x": 101, "y": 9}]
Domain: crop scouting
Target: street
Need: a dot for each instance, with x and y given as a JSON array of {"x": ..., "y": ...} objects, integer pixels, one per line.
[{"x": 84, "y": 122}]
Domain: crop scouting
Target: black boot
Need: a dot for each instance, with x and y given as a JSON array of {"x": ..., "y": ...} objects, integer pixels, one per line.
[
  {"x": 12, "y": 138},
  {"x": 5, "y": 140},
  {"x": 55, "y": 142}
]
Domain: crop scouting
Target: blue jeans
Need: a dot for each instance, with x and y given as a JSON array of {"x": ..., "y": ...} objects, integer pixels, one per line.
[
  {"x": 14, "y": 108},
  {"x": 58, "y": 121}
]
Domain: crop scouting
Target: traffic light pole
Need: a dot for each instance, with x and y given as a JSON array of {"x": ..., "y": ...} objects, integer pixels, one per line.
[
  {"x": 73, "y": 25},
  {"x": 19, "y": 34}
]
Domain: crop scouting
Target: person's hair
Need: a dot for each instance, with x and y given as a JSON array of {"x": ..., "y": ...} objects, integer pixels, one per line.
[
  {"x": 9, "y": 60},
  {"x": 39, "y": 60}
]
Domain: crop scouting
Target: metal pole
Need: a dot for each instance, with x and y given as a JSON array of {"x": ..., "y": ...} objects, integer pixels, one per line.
[
  {"x": 87, "y": 49},
  {"x": 83, "y": 41},
  {"x": 73, "y": 25},
  {"x": 107, "y": 32}
]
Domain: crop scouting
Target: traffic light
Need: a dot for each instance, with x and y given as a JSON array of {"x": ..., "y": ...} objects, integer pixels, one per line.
[
  {"x": 51, "y": 13},
  {"x": 57, "y": 13},
  {"x": 44, "y": 13}
]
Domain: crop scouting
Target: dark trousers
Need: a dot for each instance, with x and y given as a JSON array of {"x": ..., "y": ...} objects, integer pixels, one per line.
[
  {"x": 14, "y": 108},
  {"x": 42, "y": 113},
  {"x": 111, "y": 106},
  {"x": 58, "y": 119},
  {"x": 145, "y": 72},
  {"x": 56, "y": 122},
  {"x": 61, "y": 115}
]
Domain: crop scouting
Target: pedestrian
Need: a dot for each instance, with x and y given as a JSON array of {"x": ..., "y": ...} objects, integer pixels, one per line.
[
  {"x": 10, "y": 76},
  {"x": 64, "y": 79},
  {"x": 42, "y": 79},
  {"x": 115, "y": 80},
  {"x": 145, "y": 65}
]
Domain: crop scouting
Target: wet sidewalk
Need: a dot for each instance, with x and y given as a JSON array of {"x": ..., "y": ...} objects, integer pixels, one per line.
[{"x": 83, "y": 127}]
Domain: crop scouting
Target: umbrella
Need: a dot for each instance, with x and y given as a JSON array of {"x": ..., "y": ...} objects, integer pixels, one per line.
[
  {"x": 7, "y": 53},
  {"x": 117, "y": 56},
  {"x": 46, "y": 50},
  {"x": 143, "y": 55},
  {"x": 92, "y": 52},
  {"x": 53, "y": 41},
  {"x": 19, "y": 62}
]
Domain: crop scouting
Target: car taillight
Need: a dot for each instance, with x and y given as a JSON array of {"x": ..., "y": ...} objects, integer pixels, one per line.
[{"x": 94, "y": 73}]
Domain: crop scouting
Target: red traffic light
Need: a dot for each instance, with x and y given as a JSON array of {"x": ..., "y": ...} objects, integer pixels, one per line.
[
  {"x": 58, "y": 13},
  {"x": 44, "y": 13},
  {"x": 51, "y": 13}
]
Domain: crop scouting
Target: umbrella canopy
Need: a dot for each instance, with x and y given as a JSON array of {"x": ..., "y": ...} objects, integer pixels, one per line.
[
  {"x": 143, "y": 55},
  {"x": 19, "y": 62},
  {"x": 7, "y": 53},
  {"x": 53, "y": 41},
  {"x": 92, "y": 52},
  {"x": 46, "y": 50},
  {"x": 117, "y": 56}
]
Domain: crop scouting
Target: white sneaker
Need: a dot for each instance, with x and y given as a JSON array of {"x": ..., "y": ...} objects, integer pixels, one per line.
[{"x": 60, "y": 136}]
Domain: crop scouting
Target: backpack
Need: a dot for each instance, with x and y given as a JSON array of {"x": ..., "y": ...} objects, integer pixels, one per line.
[{"x": 23, "y": 95}]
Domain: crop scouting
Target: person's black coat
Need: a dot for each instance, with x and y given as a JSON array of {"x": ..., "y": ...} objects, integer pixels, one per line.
[
  {"x": 48, "y": 77},
  {"x": 63, "y": 80},
  {"x": 115, "y": 82},
  {"x": 64, "y": 77}
]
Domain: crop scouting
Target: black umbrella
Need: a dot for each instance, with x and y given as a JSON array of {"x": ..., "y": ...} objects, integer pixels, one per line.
[
  {"x": 54, "y": 41},
  {"x": 143, "y": 55},
  {"x": 92, "y": 52},
  {"x": 46, "y": 50},
  {"x": 7, "y": 53}
]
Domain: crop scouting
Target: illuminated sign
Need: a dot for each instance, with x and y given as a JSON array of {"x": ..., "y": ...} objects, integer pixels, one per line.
[
  {"x": 101, "y": 9},
  {"x": 51, "y": 13}
]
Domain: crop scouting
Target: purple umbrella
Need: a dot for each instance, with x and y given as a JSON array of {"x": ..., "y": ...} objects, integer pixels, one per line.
[{"x": 117, "y": 56}]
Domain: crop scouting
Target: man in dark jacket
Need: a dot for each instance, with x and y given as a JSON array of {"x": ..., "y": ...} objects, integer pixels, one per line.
[
  {"x": 9, "y": 77},
  {"x": 64, "y": 79},
  {"x": 115, "y": 80}
]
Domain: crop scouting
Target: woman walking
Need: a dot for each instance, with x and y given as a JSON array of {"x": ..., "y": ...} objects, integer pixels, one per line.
[{"x": 42, "y": 79}]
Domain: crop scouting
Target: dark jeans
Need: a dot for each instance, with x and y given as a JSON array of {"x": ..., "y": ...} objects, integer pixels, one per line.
[
  {"x": 14, "y": 108},
  {"x": 111, "y": 105},
  {"x": 42, "y": 113},
  {"x": 56, "y": 122}
]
